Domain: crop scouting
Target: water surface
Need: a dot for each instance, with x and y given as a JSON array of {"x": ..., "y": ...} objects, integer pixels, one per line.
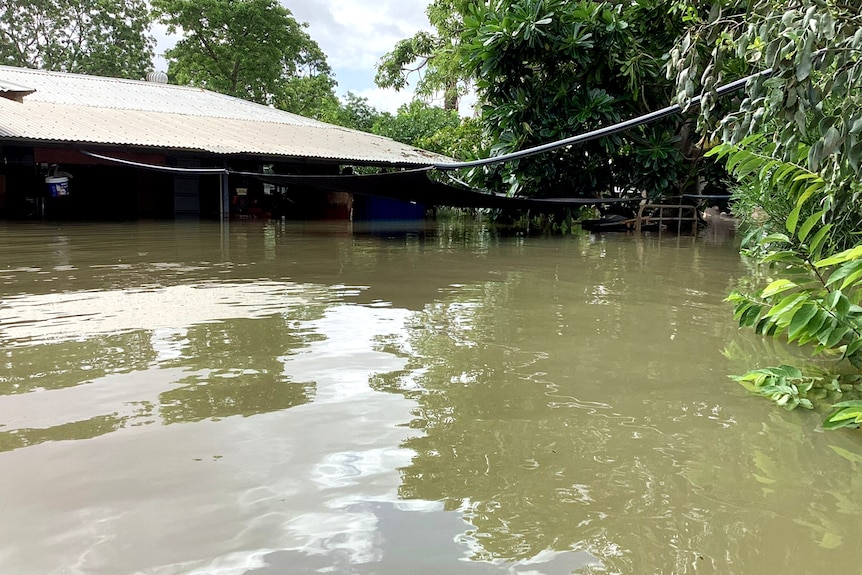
[{"x": 277, "y": 398}]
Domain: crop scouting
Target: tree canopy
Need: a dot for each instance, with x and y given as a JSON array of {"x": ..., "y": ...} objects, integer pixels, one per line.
[
  {"x": 98, "y": 37},
  {"x": 546, "y": 70},
  {"x": 808, "y": 112},
  {"x": 251, "y": 49},
  {"x": 416, "y": 123},
  {"x": 354, "y": 112},
  {"x": 549, "y": 69},
  {"x": 433, "y": 58}
]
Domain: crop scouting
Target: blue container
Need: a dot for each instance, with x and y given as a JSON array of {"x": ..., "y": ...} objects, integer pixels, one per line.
[
  {"x": 57, "y": 186},
  {"x": 380, "y": 208}
]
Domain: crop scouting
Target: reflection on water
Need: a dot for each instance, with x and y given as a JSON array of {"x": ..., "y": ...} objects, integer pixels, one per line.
[{"x": 301, "y": 398}]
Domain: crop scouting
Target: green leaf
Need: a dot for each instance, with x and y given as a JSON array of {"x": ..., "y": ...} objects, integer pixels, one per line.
[
  {"x": 842, "y": 306},
  {"x": 831, "y": 300},
  {"x": 808, "y": 225},
  {"x": 789, "y": 303},
  {"x": 815, "y": 246},
  {"x": 785, "y": 256},
  {"x": 815, "y": 186},
  {"x": 843, "y": 272},
  {"x": 750, "y": 316},
  {"x": 788, "y": 371},
  {"x": 803, "y": 67},
  {"x": 800, "y": 320},
  {"x": 847, "y": 255},
  {"x": 835, "y": 336},
  {"x": 853, "y": 348},
  {"x": 852, "y": 279},
  {"x": 793, "y": 218},
  {"x": 814, "y": 326},
  {"x": 774, "y": 238},
  {"x": 778, "y": 286},
  {"x": 846, "y": 414}
]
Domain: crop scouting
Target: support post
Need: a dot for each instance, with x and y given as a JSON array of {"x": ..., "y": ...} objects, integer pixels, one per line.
[{"x": 225, "y": 196}]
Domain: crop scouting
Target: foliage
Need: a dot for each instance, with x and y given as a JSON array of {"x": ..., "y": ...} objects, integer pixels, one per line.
[
  {"x": 354, "y": 112},
  {"x": 785, "y": 385},
  {"x": 311, "y": 96},
  {"x": 847, "y": 414},
  {"x": 794, "y": 143},
  {"x": 463, "y": 141},
  {"x": 98, "y": 37},
  {"x": 815, "y": 300},
  {"x": 251, "y": 49},
  {"x": 434, "y": 58},
  {"x": 811, "y": 101},
  {"x": 549, "y": 69},
  {"x": 416, "y": 124}
]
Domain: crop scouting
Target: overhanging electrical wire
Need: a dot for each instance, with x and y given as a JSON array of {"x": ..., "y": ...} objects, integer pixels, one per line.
[
  {"x": 450, "y": 166},
  {"x": 601, "y": 132}
]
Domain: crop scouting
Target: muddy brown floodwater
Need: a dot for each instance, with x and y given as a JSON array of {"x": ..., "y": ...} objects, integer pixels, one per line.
[{"x": 276, "y": 398}]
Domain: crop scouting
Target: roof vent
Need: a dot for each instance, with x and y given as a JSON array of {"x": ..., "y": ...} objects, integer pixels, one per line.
[
  {"x": 15, "y": 92},
  {"x": 157, "y": 77}
]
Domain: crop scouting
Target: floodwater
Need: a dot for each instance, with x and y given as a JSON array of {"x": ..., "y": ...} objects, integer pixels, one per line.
[{"x": 276, "y": 398}]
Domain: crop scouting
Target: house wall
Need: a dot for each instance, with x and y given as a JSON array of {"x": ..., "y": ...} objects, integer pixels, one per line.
[{"x": 101, "y": 190}]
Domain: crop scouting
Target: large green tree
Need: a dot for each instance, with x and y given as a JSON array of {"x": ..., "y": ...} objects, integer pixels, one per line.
[
  {"x": 807, "y": 112},
  {"x": 99, "y": 37},
  {"x": 251, "y": 49},
  {"x": 416, "y": 124},
  {"x": 549, "y": 69}
]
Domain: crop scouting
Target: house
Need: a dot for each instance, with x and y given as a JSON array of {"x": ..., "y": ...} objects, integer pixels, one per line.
[{"x": 61, "y": 136}]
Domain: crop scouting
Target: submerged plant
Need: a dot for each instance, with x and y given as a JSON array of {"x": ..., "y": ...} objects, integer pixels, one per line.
[{"x": 814, "y": 300}]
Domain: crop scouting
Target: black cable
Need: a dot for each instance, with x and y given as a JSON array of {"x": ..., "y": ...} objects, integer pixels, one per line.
[
  {"x": 601, "y": 132},
  {"x": 449, "y": 166}
]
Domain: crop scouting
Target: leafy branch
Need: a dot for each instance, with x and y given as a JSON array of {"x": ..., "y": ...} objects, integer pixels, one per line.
[{"x": 815, "y": 301}]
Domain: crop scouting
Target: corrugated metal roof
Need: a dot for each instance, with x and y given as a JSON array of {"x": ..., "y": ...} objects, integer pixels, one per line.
[
  {"x": 73, "y": 108},
  {"x": 6, "y": 86}
]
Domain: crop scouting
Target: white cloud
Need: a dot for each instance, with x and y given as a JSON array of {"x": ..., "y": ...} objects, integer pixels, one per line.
[
  {"x": 353, "y": 34},
  {"x": 386, "y": 100}
]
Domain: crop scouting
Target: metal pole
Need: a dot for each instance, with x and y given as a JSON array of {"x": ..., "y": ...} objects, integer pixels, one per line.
[{"x": 225, "y": 197}]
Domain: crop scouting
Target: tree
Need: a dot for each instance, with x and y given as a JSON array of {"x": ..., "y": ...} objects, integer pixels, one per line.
[
  {"x": 434, "y": 58},
  {"x": 463, "y": 141},
  {"x": 549, "y": 69},
  {"x": 98, "y": 37},
  {"x": 249, "y": 49},
  {"x": 416, "y": 123},
  {"x": 355, "y": 112},
  {"x": 795, "y": 143},
  {"x": 311, "y": 91},
  {"x": 809, "y": 110},
  {"x": 309, "y": 96}
]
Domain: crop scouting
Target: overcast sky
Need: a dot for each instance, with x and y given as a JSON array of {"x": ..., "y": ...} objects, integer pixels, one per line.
[{"x": 353, "y": 34}]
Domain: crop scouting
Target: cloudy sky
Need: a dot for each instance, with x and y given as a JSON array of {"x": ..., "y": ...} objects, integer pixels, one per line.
[{"x": 353, "y": 34}]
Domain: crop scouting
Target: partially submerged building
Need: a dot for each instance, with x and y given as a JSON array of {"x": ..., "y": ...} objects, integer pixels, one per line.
[{"x": 60, "y": 135}]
